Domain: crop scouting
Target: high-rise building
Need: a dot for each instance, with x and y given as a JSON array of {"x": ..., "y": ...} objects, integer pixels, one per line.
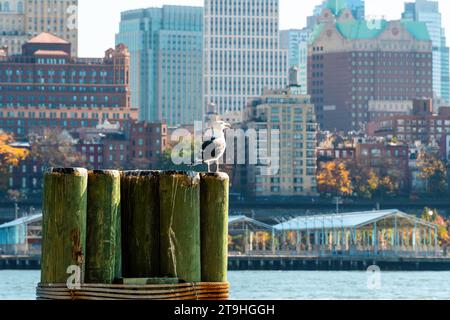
[
  {"x": 351, "y": 62},
  {"x": 166, "y": 48},
  {"x": 292, "y": 114},
  {"x": 46, "y": 87},
  {"x": 296, "y": 43},
  {"x": 428, "y": 12},
  {"x": 242, "y": 52},
  {"x": 21, "y": 20}
]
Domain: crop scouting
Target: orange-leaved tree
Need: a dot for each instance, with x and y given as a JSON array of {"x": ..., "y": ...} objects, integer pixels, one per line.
[
  {"x": 10, "y": 155},
  {"x": 433, "y": 216},
  {"x": 334, "y": 179},
  {"x": 434, "y": 173}
]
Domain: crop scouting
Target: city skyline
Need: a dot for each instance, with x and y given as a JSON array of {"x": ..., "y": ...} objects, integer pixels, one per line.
[{"x": 97, "y": 33}]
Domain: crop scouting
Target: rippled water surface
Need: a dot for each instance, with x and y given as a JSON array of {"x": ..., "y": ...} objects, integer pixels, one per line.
[{"x": 251, "y": 285}]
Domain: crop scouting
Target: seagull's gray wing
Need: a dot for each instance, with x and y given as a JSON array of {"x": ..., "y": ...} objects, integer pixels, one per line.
[{"x": 213, "y": 149}]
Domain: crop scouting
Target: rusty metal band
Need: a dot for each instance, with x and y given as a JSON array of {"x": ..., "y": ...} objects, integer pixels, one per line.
[{"x": 187, "y": 291}]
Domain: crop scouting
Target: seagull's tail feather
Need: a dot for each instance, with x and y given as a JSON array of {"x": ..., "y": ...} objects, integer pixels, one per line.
[{"x": 197, "y": 162}]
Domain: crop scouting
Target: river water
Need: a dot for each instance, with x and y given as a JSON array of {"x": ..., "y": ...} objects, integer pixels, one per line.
[{"x": 290, "y": 285}]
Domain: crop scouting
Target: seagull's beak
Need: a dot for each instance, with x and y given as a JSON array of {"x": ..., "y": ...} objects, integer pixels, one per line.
[{"x": 227, "y": 126}]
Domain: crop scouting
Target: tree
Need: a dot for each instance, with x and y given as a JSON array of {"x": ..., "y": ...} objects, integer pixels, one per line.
[
  {"x": 433, "y": 216},
  {"x": 334, "y": 179},
  {"x": 434, "y": 172},
  {"x": 387, "y": 186},
  {"x": 364, "y": 180},
  {"x": 56, "y": 149},
  {"x": 185, "y": 152},
  {"x": 9, "y": 156}
]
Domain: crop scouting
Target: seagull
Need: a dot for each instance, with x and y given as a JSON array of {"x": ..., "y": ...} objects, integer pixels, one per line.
[{"x": 214, "y": 145}]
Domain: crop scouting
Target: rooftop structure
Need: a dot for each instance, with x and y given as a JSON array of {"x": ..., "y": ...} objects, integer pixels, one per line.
[{"x": 22, "y": 235}]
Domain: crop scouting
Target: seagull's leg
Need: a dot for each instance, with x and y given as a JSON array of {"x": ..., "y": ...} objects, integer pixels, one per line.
[
  {"x": 209, "y": 168},
  {"x": 217, "y": 166}
]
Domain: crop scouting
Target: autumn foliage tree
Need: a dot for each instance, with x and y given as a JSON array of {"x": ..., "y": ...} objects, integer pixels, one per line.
[
  {"x": 56, "y": 149},
  {"x": 443, "y": 225},
  {"x": 9, "y": 155},
  {"x": 365, "y": 181},
  {"x": 368, "y": 183},
  {"x": 334, "y": 179},
  {"x": 434, "y": 173}
]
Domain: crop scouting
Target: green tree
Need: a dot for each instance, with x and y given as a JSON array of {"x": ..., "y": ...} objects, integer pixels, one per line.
[{"x": 185, "y": 151}]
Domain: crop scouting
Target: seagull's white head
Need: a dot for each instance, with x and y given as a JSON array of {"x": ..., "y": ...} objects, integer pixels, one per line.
[
  {"x": 217, "y": 129},
  {"x": 221, "y": 125}
]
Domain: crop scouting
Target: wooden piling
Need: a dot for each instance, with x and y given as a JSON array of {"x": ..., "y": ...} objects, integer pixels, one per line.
[
  {"x": 103, "y": 251},
  {"x": 214, "y": 195},
  {"x": 180, "y": 225},
  {"x": 140, "y": 224},
  {"x": 64, "y": 223}
]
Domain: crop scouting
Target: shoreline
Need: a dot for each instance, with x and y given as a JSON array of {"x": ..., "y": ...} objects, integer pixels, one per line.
[{"x": 288, "y": 263}]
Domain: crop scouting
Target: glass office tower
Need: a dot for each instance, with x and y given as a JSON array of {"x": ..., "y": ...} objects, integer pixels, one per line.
[
  {"x": 428, "y": 12},
  {"x": 166, "y": 48}
]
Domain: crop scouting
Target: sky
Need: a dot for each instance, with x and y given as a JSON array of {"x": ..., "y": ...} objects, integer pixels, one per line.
[{"x": 99, "y": 19}]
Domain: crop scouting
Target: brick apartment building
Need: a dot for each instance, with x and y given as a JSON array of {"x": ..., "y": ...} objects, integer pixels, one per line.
[
  {"x": 45, "y": 87},
  {"x": 379, "y": 155},
  {"x": 340, "y": 154},
  {"x": 352, "y": 62},
  {"x": 386, "y": 159},
  {"x": 104, "y": 147},
  {"x": 422, "y": 124},
  {"x": 110, "y": 146}
]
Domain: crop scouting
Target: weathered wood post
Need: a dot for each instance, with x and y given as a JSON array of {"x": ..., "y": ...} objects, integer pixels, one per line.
[
  {"x": 103, "y": 243},
  {"x": 140, "y": 224},
  {"x": 180, "y": 225},
  {"x": 64, "y": 223},
  {"x": 214, "y": 226}
]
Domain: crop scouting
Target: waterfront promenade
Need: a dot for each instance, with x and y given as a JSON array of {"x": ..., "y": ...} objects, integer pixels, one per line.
[
  {"x": 20, "y": 262},
  {"x": 336, "y": 263},
  {"x": 288, "y": 262}
]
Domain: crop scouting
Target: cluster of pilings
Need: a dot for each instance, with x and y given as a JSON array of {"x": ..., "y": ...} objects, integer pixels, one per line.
[{"x": 143, "y": 225}]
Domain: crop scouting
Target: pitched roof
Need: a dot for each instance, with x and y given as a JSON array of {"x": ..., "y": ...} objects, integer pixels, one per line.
[
  {"x": 47, "y": 38},
  {"x": 366, "y": 30},
  {"x": 23, "y": 220},
  {"x": 360, "y": 29},
  {"x": 345, "y": 220},
  {"x": 239, "y": 219},
  {"x": 418, "y": 29},
  {"x": 50, "y": 53}
]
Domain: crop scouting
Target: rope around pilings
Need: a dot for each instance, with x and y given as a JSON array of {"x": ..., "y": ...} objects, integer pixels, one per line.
[{"x": 185, "y": 291}]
